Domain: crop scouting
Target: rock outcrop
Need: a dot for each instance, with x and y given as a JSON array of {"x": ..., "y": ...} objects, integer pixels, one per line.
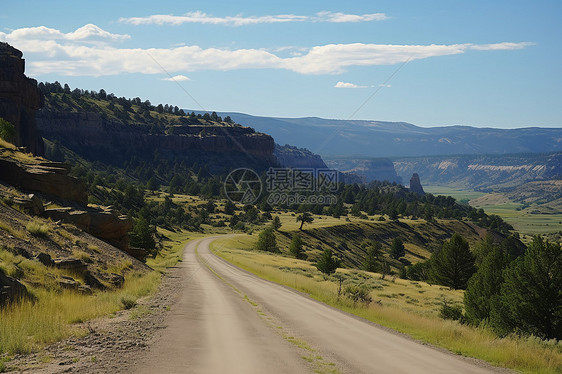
[
  {"x": 298, "y": 158},
  {"x": 49, "y": 178},
  {"x": 103, "y": 224},
  {"x": 95, "y": 137},
  {"x": 415, "y": 184},
  {"x": 19, "y": 99},
  {"x": 10, "y": 289}
]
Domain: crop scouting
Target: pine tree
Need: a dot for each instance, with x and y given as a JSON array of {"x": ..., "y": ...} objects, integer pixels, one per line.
[
  {"x": 397, "y": 249},
  {"x": 453, "y": 265},
  {"x": 327, "y": 263},
  {"x": 484, "y": 286},
  {"x": 531, "y": 295},
  {"x": 276, "y": 223},
  {"x": 229, "y": 208},
  {"x": 141, "y": 235},
  {"x": 266, "y": 241},
  {"x": 371, "y": 259},
  {"x": 295, "y": 248}
]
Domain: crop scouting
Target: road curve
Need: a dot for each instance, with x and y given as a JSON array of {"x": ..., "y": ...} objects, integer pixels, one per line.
[{"x": 230, "y": 321}]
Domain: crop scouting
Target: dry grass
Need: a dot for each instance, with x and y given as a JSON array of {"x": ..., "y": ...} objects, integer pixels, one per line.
[
  {"x": 18, "y": 233},
  {"x": 398, "y": 311},
  {"x": 54, "y": 314},
  {"x": 27, "y": 326},
  {"x": 37, "y": 228}
]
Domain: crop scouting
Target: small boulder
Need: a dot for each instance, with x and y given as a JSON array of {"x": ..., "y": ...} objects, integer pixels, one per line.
[
  {"x": 68, "y": 283},
  {"x": 92, "y": 281},
  {"x": 116, "y": 280},
  {"x": 10, "y": 289},
  {"x": 85, "y": 290},
  {"x": 45, "y": 259},
  {"x": 72, "y": 264}
]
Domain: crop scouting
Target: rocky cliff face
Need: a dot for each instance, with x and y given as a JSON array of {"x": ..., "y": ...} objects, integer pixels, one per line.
[
  {"x": 48, "y": 178},
  {"x": 293, "y": 157},
  {"x": 484, "y": 172},
  {"x": 19, "y": 99},
  {"x": 101, "y": 223},
  {"x": 379, "y": 169},
  {"x": 91, "y": 135}
]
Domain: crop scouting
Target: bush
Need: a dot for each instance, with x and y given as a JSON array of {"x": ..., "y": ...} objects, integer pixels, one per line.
[
  {"x": 37, "y": 228},
  {"x": 358, "y": 293},
  {"x": 328, "y": 264},
  {"x": 7, "y": 131},
  {"x": 448, "y": 311},
  {"x": 128, "y": 302}
]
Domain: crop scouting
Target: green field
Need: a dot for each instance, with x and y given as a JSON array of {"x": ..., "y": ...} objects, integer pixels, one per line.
[{"x": 523, "y": 220}]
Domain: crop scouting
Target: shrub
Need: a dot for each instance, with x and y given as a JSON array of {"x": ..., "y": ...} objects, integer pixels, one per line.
[
  {"x": 327, "y": 263},
  {"x": 37, "y": 228},
  {"x": 128, "y": 302},
  {"x": 448, "y": 311},
  {"x": 7, "y": 131},
  {"x": 358, "y": 293}
]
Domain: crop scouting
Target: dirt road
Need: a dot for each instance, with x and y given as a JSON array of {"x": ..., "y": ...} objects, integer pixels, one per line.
[{"x": 230, "y": 321}]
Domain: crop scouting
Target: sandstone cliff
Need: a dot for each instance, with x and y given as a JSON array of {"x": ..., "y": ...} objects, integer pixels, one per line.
[
  {"x": 92, "y": 135},
  {"x": 293, "y": 157},
  {"x": 48, "y": 178},
  {"x": 19, "y": 99}
]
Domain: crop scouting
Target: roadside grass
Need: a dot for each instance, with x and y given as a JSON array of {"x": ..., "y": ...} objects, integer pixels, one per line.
[
  {"x": 394, "y": 307},
  {"x": 52, "y": 313},
  {"x": 30, "y": 324}
]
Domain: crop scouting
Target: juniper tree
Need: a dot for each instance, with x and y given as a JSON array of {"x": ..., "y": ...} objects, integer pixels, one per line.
[{"x": 453, "y": 265}]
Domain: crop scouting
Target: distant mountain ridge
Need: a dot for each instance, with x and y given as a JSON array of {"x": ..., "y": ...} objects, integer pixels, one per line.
[{"x": 329, "y": 137}]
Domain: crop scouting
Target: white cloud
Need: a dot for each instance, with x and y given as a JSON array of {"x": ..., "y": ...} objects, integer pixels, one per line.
[
  {"x": 385, "y": 85},
  {"x": 239, "y": 20},
  {"x": 342, "y": 17},
  {"x": 177, "y": 78},
  {"x": 80, "y": 53},
  {"x": 348, "y": 85},
  {"x": 85, "y": 33},
  {"x": 505, "y": 46}
]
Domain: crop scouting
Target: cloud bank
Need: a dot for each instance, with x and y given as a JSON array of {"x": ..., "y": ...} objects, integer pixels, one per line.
[
  {"x": 91, "y": 51},
  {"x": 203, "y": 18}
]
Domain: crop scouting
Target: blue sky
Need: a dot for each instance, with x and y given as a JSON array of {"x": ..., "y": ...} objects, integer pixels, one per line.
[{"x": 431, "y": 63}]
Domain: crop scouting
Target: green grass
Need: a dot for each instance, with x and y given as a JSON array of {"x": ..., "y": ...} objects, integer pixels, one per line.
[
  {"x": 458, "y": 194},
  {"x": 522, "y": 220},
  {"x": 396, "y": 310}
]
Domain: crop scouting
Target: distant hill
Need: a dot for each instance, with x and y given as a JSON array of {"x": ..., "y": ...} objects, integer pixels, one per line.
[{"x": 329, "y": 137}]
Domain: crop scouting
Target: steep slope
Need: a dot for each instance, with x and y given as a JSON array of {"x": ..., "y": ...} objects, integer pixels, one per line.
[{"x": 399, "y": 139}]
